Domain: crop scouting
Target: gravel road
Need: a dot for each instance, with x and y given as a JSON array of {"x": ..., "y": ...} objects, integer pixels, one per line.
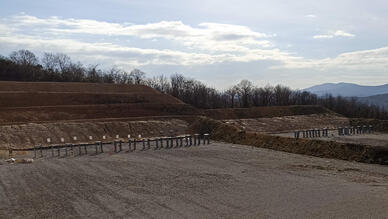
[{"x": 212, "y": 181}]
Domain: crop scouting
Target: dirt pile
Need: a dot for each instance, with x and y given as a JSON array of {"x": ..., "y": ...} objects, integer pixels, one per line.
[
  {"x": 28, "y": 135},
  {"x": 290, "y": 123},
  {"x": 329, "y": 149},
  {"x": 50, "y": 101},
  {"x": 264, "y": 112}
]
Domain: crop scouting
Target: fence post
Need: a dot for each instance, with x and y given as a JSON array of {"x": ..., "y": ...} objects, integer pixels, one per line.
[
  {"x": 101, "y": 148},
  {"x": 120, "y": 146},
  {"x": 148, "y": 144},
  {"x": 207, "y": 137},
  {"x": 167, "y": 143},
  {"x": 161, "y": 143},
  {"x": 181, "y": 141},
  {"x": 156, "y": 144},
  {"x": 134, "y": 144},
  {"x": 79, "y": 150},
  {"x": 96, "y": 147},
  {"x": 86, "y": 149},
  {"x": 144, "y": 146}
]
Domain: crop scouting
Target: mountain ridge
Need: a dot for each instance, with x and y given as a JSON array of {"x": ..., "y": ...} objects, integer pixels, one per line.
[{"x": 347, "y": 89}]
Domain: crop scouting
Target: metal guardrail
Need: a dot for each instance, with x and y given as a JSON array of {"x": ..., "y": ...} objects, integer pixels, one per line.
[
  {"x": 342, "y": 131},
  {"x": 143, "y": 144}
]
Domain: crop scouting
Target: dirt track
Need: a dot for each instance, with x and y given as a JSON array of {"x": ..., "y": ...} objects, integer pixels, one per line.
[{"x": 219, "y": 180}]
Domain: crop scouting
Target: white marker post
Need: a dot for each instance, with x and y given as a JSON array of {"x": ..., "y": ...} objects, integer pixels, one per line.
[{"x": 48, "y": 140}]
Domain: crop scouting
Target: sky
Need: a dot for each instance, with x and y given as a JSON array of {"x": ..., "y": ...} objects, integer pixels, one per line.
[{"x": 297, "y": 43}]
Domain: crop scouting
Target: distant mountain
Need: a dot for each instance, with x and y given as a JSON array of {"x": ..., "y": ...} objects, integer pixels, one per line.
[
  {"x": 380, "y": 100},
  {"x": 348, "y": 90}
]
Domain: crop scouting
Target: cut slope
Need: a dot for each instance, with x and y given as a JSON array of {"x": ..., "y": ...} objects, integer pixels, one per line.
[
  {"x": 262, "y": 112},
  {"x": 25, "y": 94},
  {"x": 50, "y": 101}
]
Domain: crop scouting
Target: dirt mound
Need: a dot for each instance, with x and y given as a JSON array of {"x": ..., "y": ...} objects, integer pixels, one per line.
[
  {"x": 290, "y": 123},
  {"x": 86, "y": 112},
  {"x": 329, "y": 149},
  {"x": 52, "y": 101},
  {"x": 26, "y": 94},
  {"x": 28, "y": 135},
  {"x": 264, "y": 112}
]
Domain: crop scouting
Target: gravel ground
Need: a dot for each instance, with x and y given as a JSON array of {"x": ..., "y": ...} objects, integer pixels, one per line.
[{"x": 212, "y": 181}]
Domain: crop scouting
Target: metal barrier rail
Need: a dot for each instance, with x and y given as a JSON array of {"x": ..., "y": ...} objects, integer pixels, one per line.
[
  {"x": 342, "y": 131},
  {"x": 132, "y": 144}
]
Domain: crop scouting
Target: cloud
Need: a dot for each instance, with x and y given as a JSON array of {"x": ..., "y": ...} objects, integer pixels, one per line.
[
  {"x": 332, "y": 34},
  {"x": 311, "y": 16},
  {"x": 174, "y": 43}
]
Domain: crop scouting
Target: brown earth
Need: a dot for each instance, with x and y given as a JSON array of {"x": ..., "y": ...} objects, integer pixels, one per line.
[
  {"x": 28, "y": 135},
  {"x": 264, "y": 112},
  {"x": 330, "y": 149},
  {"x": 22, "y": 102},
  {"x": 290, "y": 123}
]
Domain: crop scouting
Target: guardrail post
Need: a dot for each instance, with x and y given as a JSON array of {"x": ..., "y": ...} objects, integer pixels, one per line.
[
  {"x": 66, "y": 150},
  {"x": 207, "y": 137},
  {"x": 79, "y": 150},
  {"x": 101, "y": 147},
  {"x": 167, "y": 143},
  {"x": 148, "y": 144},
  {"x": 120, "y": 146},
  {"x": 59, "y": 151},
  {"x": 96, "y": 147},
  {"x": 156, "y": 144},
  {"x": 86, "y": 149},
  {"x": 115, "y": 146},
  {"x": 143, "y": 143},
  {"x": 176, "y": 142}
]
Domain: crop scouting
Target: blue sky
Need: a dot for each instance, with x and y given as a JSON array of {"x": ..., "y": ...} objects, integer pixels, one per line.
[{"x": 296, "y": 43}]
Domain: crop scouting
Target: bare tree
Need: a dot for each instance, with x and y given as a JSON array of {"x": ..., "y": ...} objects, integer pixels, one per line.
[
  {"x": 24, "y": 57},
  {"x": 244, "y": 92}
]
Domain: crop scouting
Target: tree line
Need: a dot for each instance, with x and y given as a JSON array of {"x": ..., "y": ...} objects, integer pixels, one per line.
[{"x": 23, "y": 65}]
